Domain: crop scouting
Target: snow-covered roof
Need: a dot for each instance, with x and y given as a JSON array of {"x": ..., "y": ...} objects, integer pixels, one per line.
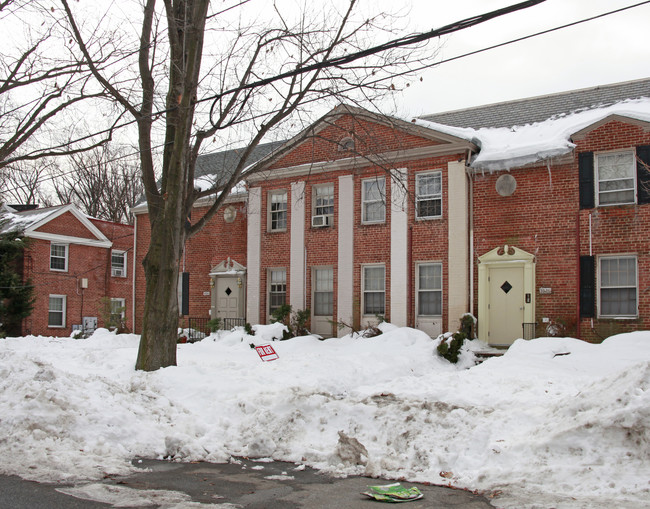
[
  {"x": 502, "y": 148},
  {"x": 21, "y": 221}
]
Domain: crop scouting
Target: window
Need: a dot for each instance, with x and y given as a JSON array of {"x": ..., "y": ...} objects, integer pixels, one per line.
[
  {"x": 277, "y": 211},
  {"x": 618, "y": 286},
  {"x": 118, "y": 308},
  {"x": 56, "y": 315},
  {"x": 323, "y": 205},
  {"x": 59, "y": 257},
  {"x": 616, "y": 176},
  {"x": 430, "y": 289},
  {"x": 323, "y": 281},
  {"x": 428, "y": 195},
  {"x": 118, "y": 263},
  {"x": 373, "y": 200},
  {"x": 374, "y": 290},
  {"x": 277, "y": 289}
]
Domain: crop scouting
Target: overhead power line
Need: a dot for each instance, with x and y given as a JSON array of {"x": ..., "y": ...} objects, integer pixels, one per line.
[
  {"x": 410, "y": 71},
  {"x": 408, "y": 40}
]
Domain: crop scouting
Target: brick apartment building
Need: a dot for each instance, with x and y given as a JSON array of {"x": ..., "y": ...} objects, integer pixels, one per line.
[
  {"x": 532, "y": 215},
  {"x": 81, "y": 269}
]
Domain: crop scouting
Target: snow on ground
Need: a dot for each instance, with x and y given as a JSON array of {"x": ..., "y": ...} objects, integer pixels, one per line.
[{"x": 553, "y": 423}]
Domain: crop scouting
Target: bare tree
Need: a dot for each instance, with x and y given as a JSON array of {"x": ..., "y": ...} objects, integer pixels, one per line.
[
  {"x": 103, "y": 182},
  {"x": 22, "y": 181},
  {"x": 42, "y": 86},
  {"x": 261, "y": 76}
]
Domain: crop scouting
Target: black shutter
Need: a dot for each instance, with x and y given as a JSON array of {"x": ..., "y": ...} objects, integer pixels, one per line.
[
  {"x": 586, "y": 179},
  {"x": 643, "y": 173},
  {"x": 587, "y": 286},
  {"x": 185, "y": 294}
]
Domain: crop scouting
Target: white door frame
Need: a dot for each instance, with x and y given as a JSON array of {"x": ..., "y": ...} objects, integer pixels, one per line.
[{"x": 501, "y": 257}]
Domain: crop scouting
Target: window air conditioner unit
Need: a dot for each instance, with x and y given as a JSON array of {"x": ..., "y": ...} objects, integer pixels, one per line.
[
  {"x": 320, "y": 221},
  {"x": 118, "y": 272}
]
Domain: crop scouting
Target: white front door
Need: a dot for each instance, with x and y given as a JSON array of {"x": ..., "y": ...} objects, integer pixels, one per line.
[
  {"x": 506, "y": 304},
  {"x": 322, "y": 312},
  {"x": 226, "y": 298}
]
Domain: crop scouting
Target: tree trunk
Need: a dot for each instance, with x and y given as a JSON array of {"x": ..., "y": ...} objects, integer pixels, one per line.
[{"x": 161, "y": 267}]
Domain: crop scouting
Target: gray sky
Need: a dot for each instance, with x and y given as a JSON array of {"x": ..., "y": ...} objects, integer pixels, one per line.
[{"x": 608, "y": 50}]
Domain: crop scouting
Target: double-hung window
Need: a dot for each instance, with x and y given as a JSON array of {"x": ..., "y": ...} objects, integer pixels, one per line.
[
  {"x": 59, "y": 257},
  {"x": 373, "y": 200},
  {"x": 277, "y": 211},
  {"x": 428, "y": 195},
  {"x": 618, "y": 286},
  {"x": 56, "y": 311},
  {"x": 323, "y": 205},
  {"x": 374, "y": 290},
  {"x": 323, "y": 281},
  {"x": 118, "y": 264},
  {"x": 430, "y": 289},
  {"x": 118, "y": 308},
  {"x": 616, "y": 178},
  {"x": 277, "y": 289}
]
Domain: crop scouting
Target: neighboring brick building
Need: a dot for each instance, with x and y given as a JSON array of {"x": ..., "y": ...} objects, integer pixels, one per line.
[
  {"x": 533, "y": 215},
  {"x": 81, "y": 268}
]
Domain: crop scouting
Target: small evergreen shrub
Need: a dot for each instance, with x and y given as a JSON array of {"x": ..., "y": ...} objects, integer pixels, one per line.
[
  {"x": 249, "y": 329},
  {"x": 214, "y": 324},
  {"x": 450, "y": 349}
]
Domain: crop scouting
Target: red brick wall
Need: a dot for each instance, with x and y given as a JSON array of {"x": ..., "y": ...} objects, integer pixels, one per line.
[
  {"x": 216, "y": 242},
  {"x": 543, "y": 218},
  {"x": 67, "y": 224},
  {"x": 370, "y": 138},
  {"x": 92, "y": 263},
  {"x": 617, "y": 229}
]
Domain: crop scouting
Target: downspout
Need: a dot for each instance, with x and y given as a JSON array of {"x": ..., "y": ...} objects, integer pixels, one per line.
[
  {"x": 591, "y": 253},
  {"x": 410, "y": 312},
  {"x": 578, "y": 278},
  {"x": 133, "y": 269}
]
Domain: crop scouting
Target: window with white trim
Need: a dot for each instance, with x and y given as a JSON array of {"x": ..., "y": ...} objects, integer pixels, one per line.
[
  {"x": 428, "y": 195},
  {"x": 59, "y": 257},
  {"x": 323, "y": 281},
  {"x": 277, "y": 211},
  {"x": 56, "y": 311},
  {"x": 617, "y": 283},
  {"x": 374, "y": 290},
  {"x": 118, "y": 263},
  {"x": 323, "y": 201},
  {"x": 373, "y": 200},
  {"x": 118, "y": 310},
  {"x": 277, "y": 289},
  {"x": 616, "y": 178},
  {"x": 429, "y": 289}
]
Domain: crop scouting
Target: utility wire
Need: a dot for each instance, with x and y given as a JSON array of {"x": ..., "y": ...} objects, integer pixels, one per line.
[
  {"x": 450, "y": 59},
  {"x": 395, "y": 43}
]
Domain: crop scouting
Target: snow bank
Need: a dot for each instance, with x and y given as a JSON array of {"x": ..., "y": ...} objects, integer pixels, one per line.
[{"x": 554, "y": 422}]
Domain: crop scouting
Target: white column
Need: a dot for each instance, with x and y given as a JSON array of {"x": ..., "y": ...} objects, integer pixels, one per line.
[
  {"x": 457, "y": 242},
  {"x": 297, "y": 257},
  {"x": 399, "y": 248},
  {"x": 345, "y": 271},
  {"x": 253, "y": 255}
]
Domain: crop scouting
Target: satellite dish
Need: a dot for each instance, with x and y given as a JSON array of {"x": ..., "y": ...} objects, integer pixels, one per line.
[{"x": 506, "y": 185}]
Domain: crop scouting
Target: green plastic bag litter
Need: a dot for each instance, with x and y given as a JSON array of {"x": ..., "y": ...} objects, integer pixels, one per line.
[{"x": 393, "y": 493}]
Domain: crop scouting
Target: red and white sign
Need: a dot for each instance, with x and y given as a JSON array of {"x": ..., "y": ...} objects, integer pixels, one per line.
[{"x": 266, "y": 353}]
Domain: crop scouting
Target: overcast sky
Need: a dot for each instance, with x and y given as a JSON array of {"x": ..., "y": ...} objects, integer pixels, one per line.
[{"x": 608, "y": 50}]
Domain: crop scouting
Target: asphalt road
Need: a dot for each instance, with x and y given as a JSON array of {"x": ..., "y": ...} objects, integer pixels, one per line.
[{"x": 248, "y": 484}]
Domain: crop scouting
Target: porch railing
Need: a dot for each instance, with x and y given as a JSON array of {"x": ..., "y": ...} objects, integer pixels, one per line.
[{"x": 197, "y": 327}]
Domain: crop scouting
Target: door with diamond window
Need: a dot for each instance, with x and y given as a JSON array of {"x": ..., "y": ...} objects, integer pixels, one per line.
[
  {"x": 506, "y": 304},
  {"x": 227, "y": 297}
]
